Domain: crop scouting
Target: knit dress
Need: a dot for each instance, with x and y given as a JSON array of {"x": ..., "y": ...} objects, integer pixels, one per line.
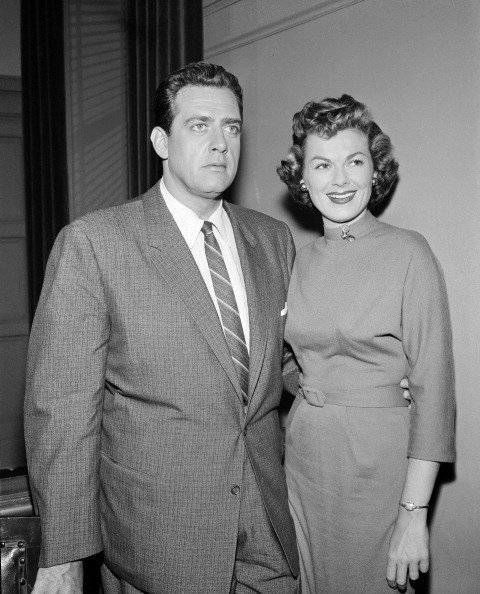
[{"x": 363, "y": 314}]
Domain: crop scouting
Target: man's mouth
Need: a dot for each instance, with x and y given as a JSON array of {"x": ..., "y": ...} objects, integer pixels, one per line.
[
  {"x": 216, "y": 166},
  {"x": 341, "y": 197}
]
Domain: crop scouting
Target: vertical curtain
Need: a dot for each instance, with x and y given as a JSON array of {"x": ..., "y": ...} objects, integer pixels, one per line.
[
  {"x": 44, "y": 133},
  {"x": 162, "y": 35}
]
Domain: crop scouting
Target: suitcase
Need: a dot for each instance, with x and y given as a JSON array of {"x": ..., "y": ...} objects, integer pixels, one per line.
[{"x": 20, "y": 536}]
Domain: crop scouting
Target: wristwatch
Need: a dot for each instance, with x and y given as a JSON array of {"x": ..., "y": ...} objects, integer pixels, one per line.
[{"x": 409, "y": 506}]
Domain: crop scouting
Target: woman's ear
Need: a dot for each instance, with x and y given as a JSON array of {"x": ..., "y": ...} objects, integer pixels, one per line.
[{"x": 159, "y": 140}]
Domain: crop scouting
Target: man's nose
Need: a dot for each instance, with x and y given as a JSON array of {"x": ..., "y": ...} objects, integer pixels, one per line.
[{"x": 219, "y": 142}]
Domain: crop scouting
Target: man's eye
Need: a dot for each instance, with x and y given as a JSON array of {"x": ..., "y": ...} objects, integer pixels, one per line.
[
  {"x": 199, "y": 127},
  {"x": 233, "y": 129}
]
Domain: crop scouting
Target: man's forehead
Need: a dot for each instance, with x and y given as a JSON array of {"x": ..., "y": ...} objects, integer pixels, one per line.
[{"x": 210, "y": 99}]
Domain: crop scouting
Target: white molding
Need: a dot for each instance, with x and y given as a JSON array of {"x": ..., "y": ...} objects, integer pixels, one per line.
[
  {"x": 294, "y": 20},
  {"x": 212, "y": 6}
]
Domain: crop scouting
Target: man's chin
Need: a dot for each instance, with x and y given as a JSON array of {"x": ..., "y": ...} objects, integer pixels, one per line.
[
  {"x": 214, "y": 190},
  {"x": 219, "y": 178},
  {"x": 212, "y": 194}
]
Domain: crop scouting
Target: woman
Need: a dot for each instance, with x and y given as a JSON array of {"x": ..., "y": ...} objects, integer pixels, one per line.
[{"x": 367, "y": 306}]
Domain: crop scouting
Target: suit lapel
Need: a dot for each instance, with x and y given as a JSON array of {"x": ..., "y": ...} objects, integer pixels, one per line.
[
  {"x": 256, "y": 285},
  {"x": 174, "y": 261}
]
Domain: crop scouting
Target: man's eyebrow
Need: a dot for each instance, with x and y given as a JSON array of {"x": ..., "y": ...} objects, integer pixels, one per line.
[
  {"x": 208, "y": 119},
  {"x": 201, "y": 118},
  {"x": 232, "y": 121}
]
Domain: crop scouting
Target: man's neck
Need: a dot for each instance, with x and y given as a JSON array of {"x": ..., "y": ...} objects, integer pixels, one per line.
[{"x": 203, "y": 207}]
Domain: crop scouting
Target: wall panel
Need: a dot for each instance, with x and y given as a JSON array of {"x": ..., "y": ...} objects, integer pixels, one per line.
[{"x": 14, "y": 325}]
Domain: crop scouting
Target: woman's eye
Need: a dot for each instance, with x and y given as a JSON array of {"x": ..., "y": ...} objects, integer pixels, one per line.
[
  {"x": 356, "y": 162},
  {"x": 321, "y": 166}
]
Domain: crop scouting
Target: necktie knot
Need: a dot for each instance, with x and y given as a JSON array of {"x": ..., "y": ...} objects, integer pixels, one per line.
[{"x": 207, "y": 228}]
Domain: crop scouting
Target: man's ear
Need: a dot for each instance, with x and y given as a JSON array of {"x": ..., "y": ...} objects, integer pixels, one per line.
[{"x": 159, "y": 140}]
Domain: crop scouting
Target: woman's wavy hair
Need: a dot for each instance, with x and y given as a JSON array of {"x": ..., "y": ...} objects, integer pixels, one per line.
[{"x": 326, "y": 118}]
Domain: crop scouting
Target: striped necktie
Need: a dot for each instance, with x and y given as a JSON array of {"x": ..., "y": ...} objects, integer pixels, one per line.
[{"x": 231, "y": 322}]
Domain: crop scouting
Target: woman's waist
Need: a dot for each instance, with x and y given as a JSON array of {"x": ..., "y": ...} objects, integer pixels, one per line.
[{"x": 385, "y": 396}]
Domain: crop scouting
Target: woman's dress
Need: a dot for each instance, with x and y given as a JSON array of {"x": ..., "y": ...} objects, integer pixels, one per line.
[{"x": 363, "y": 314}]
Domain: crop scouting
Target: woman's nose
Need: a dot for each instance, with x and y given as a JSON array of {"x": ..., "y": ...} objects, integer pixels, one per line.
[{"x": 340, "y": 177}]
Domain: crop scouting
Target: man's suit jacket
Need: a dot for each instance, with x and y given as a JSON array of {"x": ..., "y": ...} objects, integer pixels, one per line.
[{"x": 135, "y": 429}]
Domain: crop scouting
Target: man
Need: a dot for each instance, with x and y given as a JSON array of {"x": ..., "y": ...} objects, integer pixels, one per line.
[{"x": 155, "y": 373}]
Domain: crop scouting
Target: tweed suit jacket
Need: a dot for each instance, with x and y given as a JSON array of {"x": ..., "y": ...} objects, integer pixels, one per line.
[{"x": 135, "y": 429}]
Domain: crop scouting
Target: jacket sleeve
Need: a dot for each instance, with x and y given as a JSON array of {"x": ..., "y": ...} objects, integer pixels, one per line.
[
  {"x": 427, "y": 340},
  {"x": 63, "y": 402}
]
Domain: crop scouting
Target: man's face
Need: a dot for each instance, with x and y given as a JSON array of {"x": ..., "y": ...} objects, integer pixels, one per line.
[{"x": 202, "y": 151}]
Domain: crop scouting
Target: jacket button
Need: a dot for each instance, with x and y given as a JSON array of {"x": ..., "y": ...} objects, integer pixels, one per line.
[{"x": 235, "y": 490}]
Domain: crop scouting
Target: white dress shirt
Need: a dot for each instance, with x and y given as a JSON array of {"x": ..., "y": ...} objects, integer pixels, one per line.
[{"x": 190, "y": 226}]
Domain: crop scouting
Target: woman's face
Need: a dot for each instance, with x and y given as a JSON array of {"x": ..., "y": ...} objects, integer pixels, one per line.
[{"x": 338, "y": 173}]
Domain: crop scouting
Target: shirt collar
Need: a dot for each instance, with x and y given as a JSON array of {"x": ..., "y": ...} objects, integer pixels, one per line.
[{"x": 189, "y": 223}]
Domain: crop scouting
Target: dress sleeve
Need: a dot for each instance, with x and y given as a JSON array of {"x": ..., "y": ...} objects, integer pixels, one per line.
[
  {"x": 64, "y": 398},
  {"x": 427, "y": 340},
  {"x": 290, "y": 369}
]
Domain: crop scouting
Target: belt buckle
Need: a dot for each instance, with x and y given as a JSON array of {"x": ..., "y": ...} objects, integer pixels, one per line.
[{"x": 315, "y": 397}]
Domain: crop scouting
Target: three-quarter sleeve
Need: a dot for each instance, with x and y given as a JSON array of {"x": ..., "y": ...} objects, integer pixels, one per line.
[{"x": 427, "y": 341}]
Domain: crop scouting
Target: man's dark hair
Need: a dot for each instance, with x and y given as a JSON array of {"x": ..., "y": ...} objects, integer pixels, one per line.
[{"x": 196, "y": 74}]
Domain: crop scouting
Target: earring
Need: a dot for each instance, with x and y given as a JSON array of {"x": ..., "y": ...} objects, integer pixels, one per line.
[
  {"x": 303, "y": 187},
  {"x": 374, "y": 179}
]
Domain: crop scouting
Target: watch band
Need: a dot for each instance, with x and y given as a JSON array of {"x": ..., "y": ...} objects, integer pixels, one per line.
[{"x": 409, "y": 506}]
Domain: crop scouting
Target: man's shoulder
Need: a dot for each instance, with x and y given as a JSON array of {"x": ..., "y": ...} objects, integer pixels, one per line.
[
  {"x": 256, "y": 219},
  {"x": 109, "y": 215},
  {"x": 114, "y": 223}
]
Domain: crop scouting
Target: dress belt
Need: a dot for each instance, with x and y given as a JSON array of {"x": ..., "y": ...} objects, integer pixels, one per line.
[{"x": 378, "y": 397}]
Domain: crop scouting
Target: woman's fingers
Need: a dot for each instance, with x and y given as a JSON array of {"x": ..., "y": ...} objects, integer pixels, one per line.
[
  {"x": 397, "y": 575},
  {"x": 424, "y": 565}
]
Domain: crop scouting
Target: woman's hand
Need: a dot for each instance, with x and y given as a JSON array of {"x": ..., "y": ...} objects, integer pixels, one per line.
[{"x": 408, "y": 552}]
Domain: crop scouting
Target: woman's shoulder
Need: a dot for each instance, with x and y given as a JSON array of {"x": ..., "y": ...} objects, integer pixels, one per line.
[
  {"x": 402, "y": 239},
  {"x": 411, "y": 248},
  {"x": 305, "y": 252}
]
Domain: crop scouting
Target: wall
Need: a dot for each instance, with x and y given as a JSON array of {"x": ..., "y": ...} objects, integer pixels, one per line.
[
  {"x": 415, "y": 63},
  {"x": 10, "y": 37}
]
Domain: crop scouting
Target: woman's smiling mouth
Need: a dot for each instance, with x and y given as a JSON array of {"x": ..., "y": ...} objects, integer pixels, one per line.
[{"x": 341, "y": 197}]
